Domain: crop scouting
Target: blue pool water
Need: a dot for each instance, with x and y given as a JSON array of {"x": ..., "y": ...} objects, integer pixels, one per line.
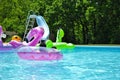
[{"x": 81, "y": 63}]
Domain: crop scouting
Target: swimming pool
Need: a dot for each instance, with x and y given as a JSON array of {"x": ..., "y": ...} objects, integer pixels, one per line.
[{"x": 81, "y": 63}]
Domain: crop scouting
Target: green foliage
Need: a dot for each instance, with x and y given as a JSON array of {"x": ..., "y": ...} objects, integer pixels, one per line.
[{"x": 83, "y": 21}]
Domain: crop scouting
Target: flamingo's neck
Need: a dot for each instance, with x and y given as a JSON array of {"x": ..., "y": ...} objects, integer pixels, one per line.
[{"x": 1, "y": 43}]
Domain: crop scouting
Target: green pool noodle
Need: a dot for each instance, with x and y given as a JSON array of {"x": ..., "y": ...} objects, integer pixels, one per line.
[{"x": 60, "y": 35}]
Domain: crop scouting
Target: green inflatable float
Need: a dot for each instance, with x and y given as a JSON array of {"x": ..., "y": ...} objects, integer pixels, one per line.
[{"x": 59, "y": 44}]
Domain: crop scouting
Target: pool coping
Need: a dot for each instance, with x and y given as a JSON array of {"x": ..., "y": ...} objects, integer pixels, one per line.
[{"x": 115, "y": 46}]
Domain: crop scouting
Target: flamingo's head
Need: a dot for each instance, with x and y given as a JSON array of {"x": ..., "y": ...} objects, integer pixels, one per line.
[
  {"x": 1, "y": 31},
  {"x": 35, "y": 33}
]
